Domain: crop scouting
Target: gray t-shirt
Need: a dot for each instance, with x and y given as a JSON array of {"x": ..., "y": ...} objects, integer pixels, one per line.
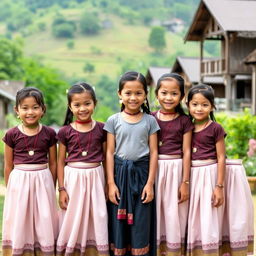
[{"x": 132, "y": 139}]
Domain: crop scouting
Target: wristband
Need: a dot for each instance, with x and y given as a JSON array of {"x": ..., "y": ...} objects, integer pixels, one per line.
[
  {"x": 219, "y": 185},
  {"x": 186, "y": 182},
  {"x": 61, "y": 189}
]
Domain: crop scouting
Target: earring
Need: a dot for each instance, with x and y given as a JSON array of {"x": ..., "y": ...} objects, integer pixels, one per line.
[
  {"x": 145, "y": 103},
  {"x": 18, "y": 116},
  {"x": 120, "y": 102}
]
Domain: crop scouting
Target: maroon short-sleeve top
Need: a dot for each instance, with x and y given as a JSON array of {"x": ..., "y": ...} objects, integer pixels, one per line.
[
  {"x": 22, "y": 143},
  {"x": 170, "y": 136},
  {"x": 77, "y": 142},
  {"x": 204, "y": 142}
]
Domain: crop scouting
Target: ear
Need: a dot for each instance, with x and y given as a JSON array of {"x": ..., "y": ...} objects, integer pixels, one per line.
[
  {"x": 16, "y": 110},
  {"x": 119, "y": 95}
]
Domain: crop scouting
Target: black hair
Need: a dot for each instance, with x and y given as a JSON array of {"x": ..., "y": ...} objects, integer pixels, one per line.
[
  {"x": 180, "y": 81},
  {"x": 79, "y": 87},
  {"x": 30, "y": 92},
  {"x": 207, "y": 92},
  {"x": 135, "y": 76}
]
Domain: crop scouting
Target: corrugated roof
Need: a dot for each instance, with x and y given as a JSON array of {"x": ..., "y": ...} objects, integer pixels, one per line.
[
  {"x": 234, "y": 15},
  {"x": 9, "y": 89},
  {"x": 231, "y": 15},
  {"x": 191, "y": 67},
  {"x": 157, "y": 72},
  {"x": 7, "y": 95}
]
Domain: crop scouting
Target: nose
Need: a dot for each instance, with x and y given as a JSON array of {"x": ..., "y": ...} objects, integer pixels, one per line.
[{"x": 30, "y": 111}]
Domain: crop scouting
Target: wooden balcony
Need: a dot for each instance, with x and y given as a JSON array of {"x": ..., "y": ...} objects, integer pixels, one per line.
[{"x": 213, "y": 67}]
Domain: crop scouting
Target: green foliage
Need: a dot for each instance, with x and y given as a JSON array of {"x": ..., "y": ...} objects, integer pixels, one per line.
[
  {"x": 157, "y": 39},
  {"x": 49, "y": 81},
  {"x": 89, "y": 68},
  {"x": 62, "y": 28},
  {"x": 240, "y": 129},
  {"x": 95, "y": 50},
  {"x": 10, "y": 59},
  {"x": 41, "y": 26},
  {"x": 89, "y": 24},
  {"x": 70, "y": 44}
]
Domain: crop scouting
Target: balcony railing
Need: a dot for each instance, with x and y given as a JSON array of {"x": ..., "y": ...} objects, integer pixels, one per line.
[{"x": 213, "y": 67}]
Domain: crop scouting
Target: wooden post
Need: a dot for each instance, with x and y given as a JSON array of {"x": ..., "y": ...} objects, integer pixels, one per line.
[
  {"x": 254, "y": 89},
  {"x": 201, "y": 60},
  {"x": 228, "y": 91}
]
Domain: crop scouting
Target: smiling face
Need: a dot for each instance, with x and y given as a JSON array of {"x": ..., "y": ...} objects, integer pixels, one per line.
[
  {"x": 169, "y": 95},
  {"x": 199, "y": 107},
  {"x": 132, "y": 96},
  {"x": 82, "y": 106},
  {"x": 29, "y": 111}
]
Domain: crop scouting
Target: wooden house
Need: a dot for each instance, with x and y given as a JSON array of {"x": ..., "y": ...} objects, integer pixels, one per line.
[
  {"x": 8, "y": 90},
  {"x": 189, "y": 69},
  {"x": 233, "y": 24}
]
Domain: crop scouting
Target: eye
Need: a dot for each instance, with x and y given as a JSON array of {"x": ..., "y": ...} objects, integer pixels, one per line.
[
  {"x": 163, "y": 93},
  {"x": 205, "y": 105}
]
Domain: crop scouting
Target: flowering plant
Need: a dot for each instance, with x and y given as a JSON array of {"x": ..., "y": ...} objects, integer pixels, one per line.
[{"x": 250, "y": 162}]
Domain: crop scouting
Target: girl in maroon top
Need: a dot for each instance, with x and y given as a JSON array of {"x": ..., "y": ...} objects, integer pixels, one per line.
[
  {"x": 172, "y": 183},
  {"x": 30, "y": 222},
  {"x": 83, "y": 216},
  {"x": 213, "y": 227}
]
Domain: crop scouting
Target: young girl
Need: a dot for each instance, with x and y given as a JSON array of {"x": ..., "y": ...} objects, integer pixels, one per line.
[
  {"x": 30, "y": 212},
  {"x": 207, "y": 175},
  {"x": 172, "y": 185},
  {"x": 83, "y": 218},
  {"x": 131, "y": 168}
]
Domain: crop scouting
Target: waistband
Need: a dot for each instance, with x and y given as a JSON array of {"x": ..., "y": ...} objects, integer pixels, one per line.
[
  {"x": 83, "y": 165},
  {"x": 30, "y": 167},
  {"x": 169, "y": 157},
  {"x": 198, "y": 163},
  {"x": 234, "y": 162}
]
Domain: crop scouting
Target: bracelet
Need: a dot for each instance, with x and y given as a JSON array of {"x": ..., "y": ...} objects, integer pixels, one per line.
[
  {"x": 61, "y": 189},
  {"x": 219, "y": 185},
  {"x": 186, "y": 182}
]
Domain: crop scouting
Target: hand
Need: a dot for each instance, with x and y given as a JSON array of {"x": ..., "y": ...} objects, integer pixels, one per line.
[
  {"x": 63, "y": 199},
  {"x": 113, "y": 193},
  {"x": 147, "y": 194},
  {"x": 217, "y": 197},
  {"x": 183, "y": 192}
]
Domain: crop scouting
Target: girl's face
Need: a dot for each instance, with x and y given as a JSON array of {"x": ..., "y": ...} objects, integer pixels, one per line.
[
  {"x": 199, "y": 107},
  {"x": 29, "y": 111},
  {"x": 82, "y": 106},
  {"x": 169, "y": 95},
  {"x": 132, "y": 96}
]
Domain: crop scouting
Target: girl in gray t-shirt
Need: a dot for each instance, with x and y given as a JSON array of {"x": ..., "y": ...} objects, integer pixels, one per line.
[{"x": 131, "y": 162}]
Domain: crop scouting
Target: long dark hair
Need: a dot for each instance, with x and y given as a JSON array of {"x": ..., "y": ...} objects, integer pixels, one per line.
[
  {"x": 77, "y": 88},
  {"x": 134, "y": 76},
  {"x": 30, "y": 92},
  {"x": 207, "y": 92},
  {"x": 180, "y": 81}
]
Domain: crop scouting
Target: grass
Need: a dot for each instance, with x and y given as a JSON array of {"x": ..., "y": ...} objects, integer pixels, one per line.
[{"x": 121, "y": 43}]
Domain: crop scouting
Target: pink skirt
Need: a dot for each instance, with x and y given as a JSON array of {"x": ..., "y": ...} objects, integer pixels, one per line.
[
  {"x": 238, "y": 233},
  {"x": 204, "y": 220},
  {"x": 171, "y": 216},
  {"x": 30, "y": 220},
  {"x": 83, "y": 226}
]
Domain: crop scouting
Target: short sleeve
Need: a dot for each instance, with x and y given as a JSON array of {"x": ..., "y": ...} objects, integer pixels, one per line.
[
  {"x": 154, "y": 127},
  {"x": 8, "y": 138},
  {"x": 102, "y": 131},
  {"x": 61, "y": 136},
  {"x": 110, "y": 125},
  {"x": 219, "y": 132},
  {"x": 52, "y": 137},
  {"x": 188, "y": 125}
]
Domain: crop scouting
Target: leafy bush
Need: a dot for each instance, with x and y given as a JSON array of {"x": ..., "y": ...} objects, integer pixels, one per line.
[
  {"x": 70, "y": 44},
  {"x": 240, "y": 129},
  {"x": 64, "y": 30},
  {"x": 89, "y": 24}
]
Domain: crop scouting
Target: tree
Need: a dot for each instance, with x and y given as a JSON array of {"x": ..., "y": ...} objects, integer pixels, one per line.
[
  {"x": 89, "y": 68},
  {"x": 70, "y": 44},
  {"x": 157, "y": 39},
  {"x": 11, "y": 57},
  {"x": 89, "y": 24},
  {"x": 64, "y": 30}
]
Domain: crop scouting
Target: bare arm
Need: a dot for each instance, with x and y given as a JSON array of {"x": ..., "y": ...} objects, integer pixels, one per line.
[
  {"x": 8, "y": 162},
  {"x": 113, "y": 191},
  {"x": 218, "y": 193},
  {"x": 63, "y": 197},
  {"x": 148, "y": 191},
  {"x": 186, "y": 163},
  {"x": 53, "y": 162}
]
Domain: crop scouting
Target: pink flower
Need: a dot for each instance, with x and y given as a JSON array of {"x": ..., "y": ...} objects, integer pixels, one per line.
[{"x": 252, "y": 147}]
